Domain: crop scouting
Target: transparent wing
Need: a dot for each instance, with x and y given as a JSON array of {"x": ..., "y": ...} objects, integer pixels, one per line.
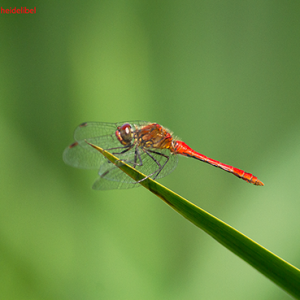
[
  {"x": 155, "y": 163},
  {"x": 101, "y": 134},
  {"x": 112, "y": 177},
  {"x": 116, "y": 178},
  {"x": 82, "y": 155},
  {"x": 102, "y": 184}
]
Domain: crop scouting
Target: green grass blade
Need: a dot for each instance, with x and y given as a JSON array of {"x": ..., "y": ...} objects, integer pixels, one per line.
[{"x": 276, "y": 269}]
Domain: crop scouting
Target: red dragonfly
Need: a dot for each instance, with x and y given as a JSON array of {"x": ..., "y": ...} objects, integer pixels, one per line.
[{"x": 148, "y": 147}]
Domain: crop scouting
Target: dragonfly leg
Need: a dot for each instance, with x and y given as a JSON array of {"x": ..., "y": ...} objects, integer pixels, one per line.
[
  {"x": 127, "y": 148},
  {"x": 160, "y": 167},
  {"x": 137, "y": 155}
]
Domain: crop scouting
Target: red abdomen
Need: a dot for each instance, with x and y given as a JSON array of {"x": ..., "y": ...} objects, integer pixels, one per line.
[{"x": 183, "y": 149}]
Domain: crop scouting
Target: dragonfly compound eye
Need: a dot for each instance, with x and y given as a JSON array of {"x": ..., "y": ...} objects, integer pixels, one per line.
[{"x": 124, "y": 134}]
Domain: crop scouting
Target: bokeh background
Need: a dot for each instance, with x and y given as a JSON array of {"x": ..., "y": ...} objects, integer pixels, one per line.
[{"x": 222, "y": 75}]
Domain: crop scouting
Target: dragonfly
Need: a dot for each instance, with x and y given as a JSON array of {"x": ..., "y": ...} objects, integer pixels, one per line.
[{"x": 148, "y": 147}]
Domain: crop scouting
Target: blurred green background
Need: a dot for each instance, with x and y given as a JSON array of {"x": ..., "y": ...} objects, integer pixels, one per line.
[{"x": 223, "y": 75}]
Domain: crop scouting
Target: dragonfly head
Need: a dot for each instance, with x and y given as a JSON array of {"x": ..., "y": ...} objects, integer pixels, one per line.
[{"x": 124, "y": 134}]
